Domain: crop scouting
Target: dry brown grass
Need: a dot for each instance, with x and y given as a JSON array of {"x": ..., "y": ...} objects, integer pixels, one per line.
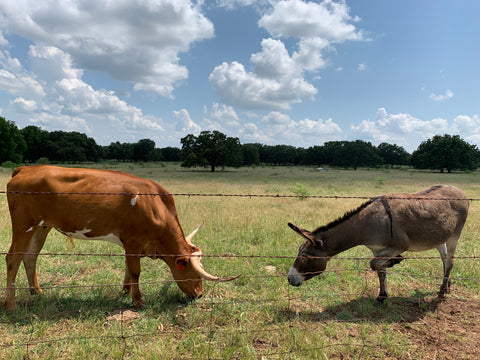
[{"x": 257, "y": 316}]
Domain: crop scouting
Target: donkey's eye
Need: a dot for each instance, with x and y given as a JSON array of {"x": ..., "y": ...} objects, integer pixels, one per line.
[{"x": 306, "y": 258}]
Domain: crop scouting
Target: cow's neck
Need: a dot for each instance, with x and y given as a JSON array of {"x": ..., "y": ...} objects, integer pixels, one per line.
[{"x": 170, "y": 241}]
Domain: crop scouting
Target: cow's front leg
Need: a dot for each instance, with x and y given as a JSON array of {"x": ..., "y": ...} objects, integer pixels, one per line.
[
  {"x": 13, "y": 263},
  {"x": 126, "y": 280},
  {"x": 133, "y": 269}
]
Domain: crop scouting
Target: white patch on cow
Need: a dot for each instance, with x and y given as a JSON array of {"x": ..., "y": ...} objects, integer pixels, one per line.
[
  {"x": 294, "y": 277},
  {"x": 30, "y": 229},
  {"x": 41, "y": 223},
  {"x": 82, "y": 235},
  {"x": 134, "y": 200}
]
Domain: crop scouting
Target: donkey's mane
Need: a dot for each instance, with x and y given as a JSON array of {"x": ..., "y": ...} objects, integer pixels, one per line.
[
  {"x": 429, "y": 190},
  {"x": 345, "y": 216},
  {"x": 381, "y": 198}
]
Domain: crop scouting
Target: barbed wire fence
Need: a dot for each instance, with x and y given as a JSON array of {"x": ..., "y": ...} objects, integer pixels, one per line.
[{"x": 290, "y": 327}]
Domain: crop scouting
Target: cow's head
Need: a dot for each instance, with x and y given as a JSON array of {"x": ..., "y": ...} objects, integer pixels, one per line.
[
  {"x": 311, "y": 259},
  {"x": 188, "y": 271}
]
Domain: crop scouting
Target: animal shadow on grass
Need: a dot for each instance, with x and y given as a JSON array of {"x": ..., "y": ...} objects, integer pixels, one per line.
[
  {"x": 394, "y": 310},
  {"x": 93, "y": 303}
]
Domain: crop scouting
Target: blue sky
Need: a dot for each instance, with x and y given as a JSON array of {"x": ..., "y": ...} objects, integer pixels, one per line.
[{"x": 275, "y": 72}]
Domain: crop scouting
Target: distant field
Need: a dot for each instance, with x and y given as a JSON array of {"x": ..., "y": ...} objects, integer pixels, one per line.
[{"x": 257, "y": 316}]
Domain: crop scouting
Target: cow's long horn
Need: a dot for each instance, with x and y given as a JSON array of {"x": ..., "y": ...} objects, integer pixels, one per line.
[
  {"x": 198, "y": 268},
  {"x": 192, "y": 234}
]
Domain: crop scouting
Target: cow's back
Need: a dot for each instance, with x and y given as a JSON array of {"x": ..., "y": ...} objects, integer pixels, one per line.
[{"x": 78, "y": 199}]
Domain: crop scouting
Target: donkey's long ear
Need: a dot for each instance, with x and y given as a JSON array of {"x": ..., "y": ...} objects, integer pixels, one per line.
[{"x": 306, "y": 234}]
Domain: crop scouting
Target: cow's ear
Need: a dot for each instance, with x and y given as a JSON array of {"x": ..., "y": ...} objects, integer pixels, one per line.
[{"x": 181, "y": 263}]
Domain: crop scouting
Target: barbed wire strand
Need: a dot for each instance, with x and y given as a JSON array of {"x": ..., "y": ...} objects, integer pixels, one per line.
[{"x": 277, "y": 196}]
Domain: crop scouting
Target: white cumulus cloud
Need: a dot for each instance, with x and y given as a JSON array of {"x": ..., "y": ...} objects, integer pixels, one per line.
[
  {"x": 24, "y": 106},
  {"x": 441, "y": 97},
  {"x": 470, "y": 125},
  {"x": 281, "y": 128},
  {"x": 135, "y": 40},
  {"x": 60, "y": 99},
  {"x": 278, "y": 78},
  {"x": 402, "y": 129},
  {"x": 3, "y": 41},
  {"x": 185, "y": 124},
  {"x": 16, "y": 80},
  {"x": 305, "y": 19},
  {"x": 236, "y": 86}
]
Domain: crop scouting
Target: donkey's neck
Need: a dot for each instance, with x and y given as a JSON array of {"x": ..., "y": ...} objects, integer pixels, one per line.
[{"x": 342, "y": 237}]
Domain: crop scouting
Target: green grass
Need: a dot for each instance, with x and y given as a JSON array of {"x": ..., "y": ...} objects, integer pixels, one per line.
[{"x": 258, "y": 315}]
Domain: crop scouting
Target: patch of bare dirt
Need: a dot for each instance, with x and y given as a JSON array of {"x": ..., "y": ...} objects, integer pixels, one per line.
[
  {"x": 123, "y": 315},
  {"x": 450, "y": 331}
]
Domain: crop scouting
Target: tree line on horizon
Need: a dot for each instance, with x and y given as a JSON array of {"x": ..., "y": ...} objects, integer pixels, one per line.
[{"x": 213, "y": 149}]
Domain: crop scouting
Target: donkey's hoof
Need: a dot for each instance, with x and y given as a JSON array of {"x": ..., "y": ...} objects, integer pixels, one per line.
[{"x": 379, "y": 301}]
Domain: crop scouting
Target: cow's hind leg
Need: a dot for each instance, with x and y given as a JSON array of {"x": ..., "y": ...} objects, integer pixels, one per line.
[
  {"x": 447, "y": 253},
  {"x": 133, "y": 270},
  {"x": 20, "y": 243},
  {"x": 30, "y": 259}
]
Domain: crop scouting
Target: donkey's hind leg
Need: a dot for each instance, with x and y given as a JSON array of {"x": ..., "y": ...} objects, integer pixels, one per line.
[{"x": 447, "y": 252}]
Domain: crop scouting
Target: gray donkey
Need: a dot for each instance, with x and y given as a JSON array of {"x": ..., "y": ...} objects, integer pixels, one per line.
[{"x": 388, "y": 225}]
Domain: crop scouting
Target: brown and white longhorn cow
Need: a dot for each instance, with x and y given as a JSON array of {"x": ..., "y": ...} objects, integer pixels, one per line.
[
  {"x": 388, "y": 225},
  {"x": 77, "y": 203}
]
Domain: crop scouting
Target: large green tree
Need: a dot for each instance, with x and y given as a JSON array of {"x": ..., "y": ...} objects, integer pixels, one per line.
[
  {"x": 143, "y": 149},
  {"x": 36, "y": 140},
  {"x": 72, "y": 147},
  {"x": 314, "y": 155},
  {"x": 211, "y": 148},
  {"x": 251, "y": 154},
  {"x": 12, "y": 144},
  {"x": 171, "y": 153},
  {"x": 119, "y": 151},
  {"x": 393, "y": 154},
  {"x": 445, "y": 152},
  {"x": 279, "y": 154},
  {"x": 353, "y": 154}
]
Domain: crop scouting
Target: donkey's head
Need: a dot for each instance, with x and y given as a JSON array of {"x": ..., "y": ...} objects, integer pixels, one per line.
[{"x": 311, "y": 259}]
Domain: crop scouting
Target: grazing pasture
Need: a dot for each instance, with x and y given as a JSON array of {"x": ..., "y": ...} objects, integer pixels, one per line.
[{"x": 82, "y": 312}]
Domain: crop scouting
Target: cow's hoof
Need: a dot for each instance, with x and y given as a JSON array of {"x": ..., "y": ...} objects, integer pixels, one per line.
[{"x": 138, "y": 304}]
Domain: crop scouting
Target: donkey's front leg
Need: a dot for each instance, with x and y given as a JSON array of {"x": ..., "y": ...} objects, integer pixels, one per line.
[
  {"x": 380, "y": 266},
  {"x": 382, "y": 260},
  {"x": 383, "y": 294}
]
